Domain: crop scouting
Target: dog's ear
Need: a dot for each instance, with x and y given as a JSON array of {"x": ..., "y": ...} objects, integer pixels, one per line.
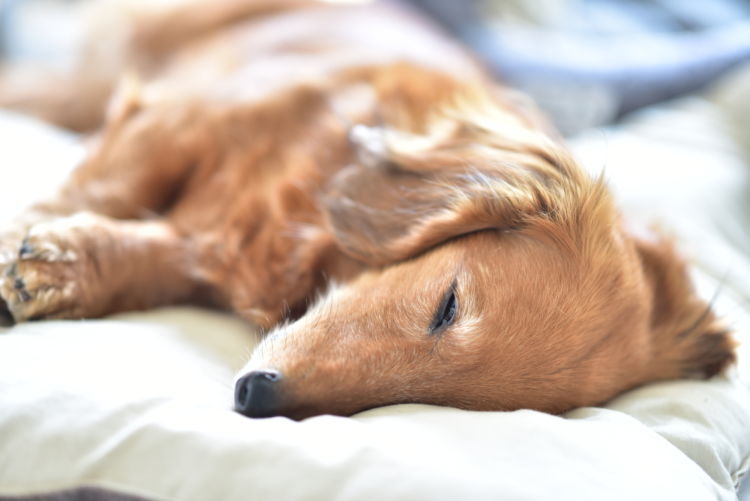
[
  {"x": 689, "y": 340},
  {"x": 410, "y": 191}
]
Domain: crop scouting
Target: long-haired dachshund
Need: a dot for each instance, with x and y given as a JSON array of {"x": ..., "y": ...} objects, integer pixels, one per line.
[{"x": 350, "y": 179}]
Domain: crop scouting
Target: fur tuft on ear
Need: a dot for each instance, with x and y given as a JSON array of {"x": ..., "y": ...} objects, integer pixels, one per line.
[
  {"x": 126, "y": 100},
  {"x": 688, "y": 339},
  {"x": 386, "y": 214},
  {"x": 472, "y": 165}
]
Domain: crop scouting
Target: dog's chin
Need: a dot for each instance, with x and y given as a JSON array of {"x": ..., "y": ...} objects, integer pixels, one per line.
[{"x": 302, "y": 413}]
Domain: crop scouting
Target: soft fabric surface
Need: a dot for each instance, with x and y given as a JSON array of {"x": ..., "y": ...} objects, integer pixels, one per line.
[
  {"x": 140, "y": 403},
  {"x": 589, "y": 62}
]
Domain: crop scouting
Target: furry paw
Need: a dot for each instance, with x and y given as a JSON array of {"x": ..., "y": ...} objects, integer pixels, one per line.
[
  {"x": 44, "y": 279},
  {"x": 34, "y": 288}
]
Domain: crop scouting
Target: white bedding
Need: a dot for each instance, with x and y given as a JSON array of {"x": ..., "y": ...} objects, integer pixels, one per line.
[{"x": 140, "y": 403}]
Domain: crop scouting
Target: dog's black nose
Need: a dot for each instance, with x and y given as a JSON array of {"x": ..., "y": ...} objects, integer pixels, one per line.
[{"x": 257, "y": 393}]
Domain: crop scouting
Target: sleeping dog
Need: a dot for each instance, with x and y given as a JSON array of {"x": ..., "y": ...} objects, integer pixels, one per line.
[{"x": 349, "y": 179}]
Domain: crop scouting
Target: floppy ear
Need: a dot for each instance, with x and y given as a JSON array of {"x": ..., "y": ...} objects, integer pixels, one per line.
[
  {"x": 409, "y": 192},
  {"x": 689, "y": 340}
]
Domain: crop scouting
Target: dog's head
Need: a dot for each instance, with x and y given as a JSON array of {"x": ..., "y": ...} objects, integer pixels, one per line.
[{"x": 500, "y": 278}]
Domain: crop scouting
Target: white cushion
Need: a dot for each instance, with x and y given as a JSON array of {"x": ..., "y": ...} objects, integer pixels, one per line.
[{"x": 141, "y": 404}]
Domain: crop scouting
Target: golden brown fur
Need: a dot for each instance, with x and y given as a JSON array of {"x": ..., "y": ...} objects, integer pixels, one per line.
[{"x": 269, "y": 153}]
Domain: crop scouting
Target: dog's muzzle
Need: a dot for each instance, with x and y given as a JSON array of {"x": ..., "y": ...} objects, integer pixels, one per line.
[{"x": 257, "y": 394}]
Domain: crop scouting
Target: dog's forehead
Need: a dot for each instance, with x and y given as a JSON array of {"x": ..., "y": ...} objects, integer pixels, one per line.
[{"x": 481, "y": 255}]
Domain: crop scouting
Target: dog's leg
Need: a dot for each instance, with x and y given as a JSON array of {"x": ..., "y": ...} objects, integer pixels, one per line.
[
  {"x": 87, "y": 265},
  {"x": 134, "y": 172},
  {"x": 167, "y": 27},
  {"x": 73, "y": 101},
  {"x": 123, "y": 38}
]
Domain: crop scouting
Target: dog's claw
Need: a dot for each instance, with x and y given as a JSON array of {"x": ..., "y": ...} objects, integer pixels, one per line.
[
  {"x": 24, "y": 295},
  {"x": 20, "y": 286},
  {"x": 37, "y": 248},
  {"x": 26, "y": 250}
]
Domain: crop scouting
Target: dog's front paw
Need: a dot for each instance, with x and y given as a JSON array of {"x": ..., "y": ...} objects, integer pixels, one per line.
[
  {"x": 45, "y": 278},
  {"x": 36, "y": 286}
]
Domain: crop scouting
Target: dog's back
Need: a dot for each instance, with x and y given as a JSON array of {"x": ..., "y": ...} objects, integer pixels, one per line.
[{"x": 224, "y": 50}]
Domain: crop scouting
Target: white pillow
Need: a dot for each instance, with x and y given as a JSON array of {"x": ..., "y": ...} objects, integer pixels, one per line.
[{"x": 141, "y": 405}]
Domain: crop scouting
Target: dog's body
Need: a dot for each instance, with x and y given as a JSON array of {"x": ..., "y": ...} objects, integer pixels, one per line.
[
  {"x": 275, "y": 148},
  {"x": 295, "y": 82}
]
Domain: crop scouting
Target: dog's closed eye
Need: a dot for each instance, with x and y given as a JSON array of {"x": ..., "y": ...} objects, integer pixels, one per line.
[{"x": 446, "y": 312}]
